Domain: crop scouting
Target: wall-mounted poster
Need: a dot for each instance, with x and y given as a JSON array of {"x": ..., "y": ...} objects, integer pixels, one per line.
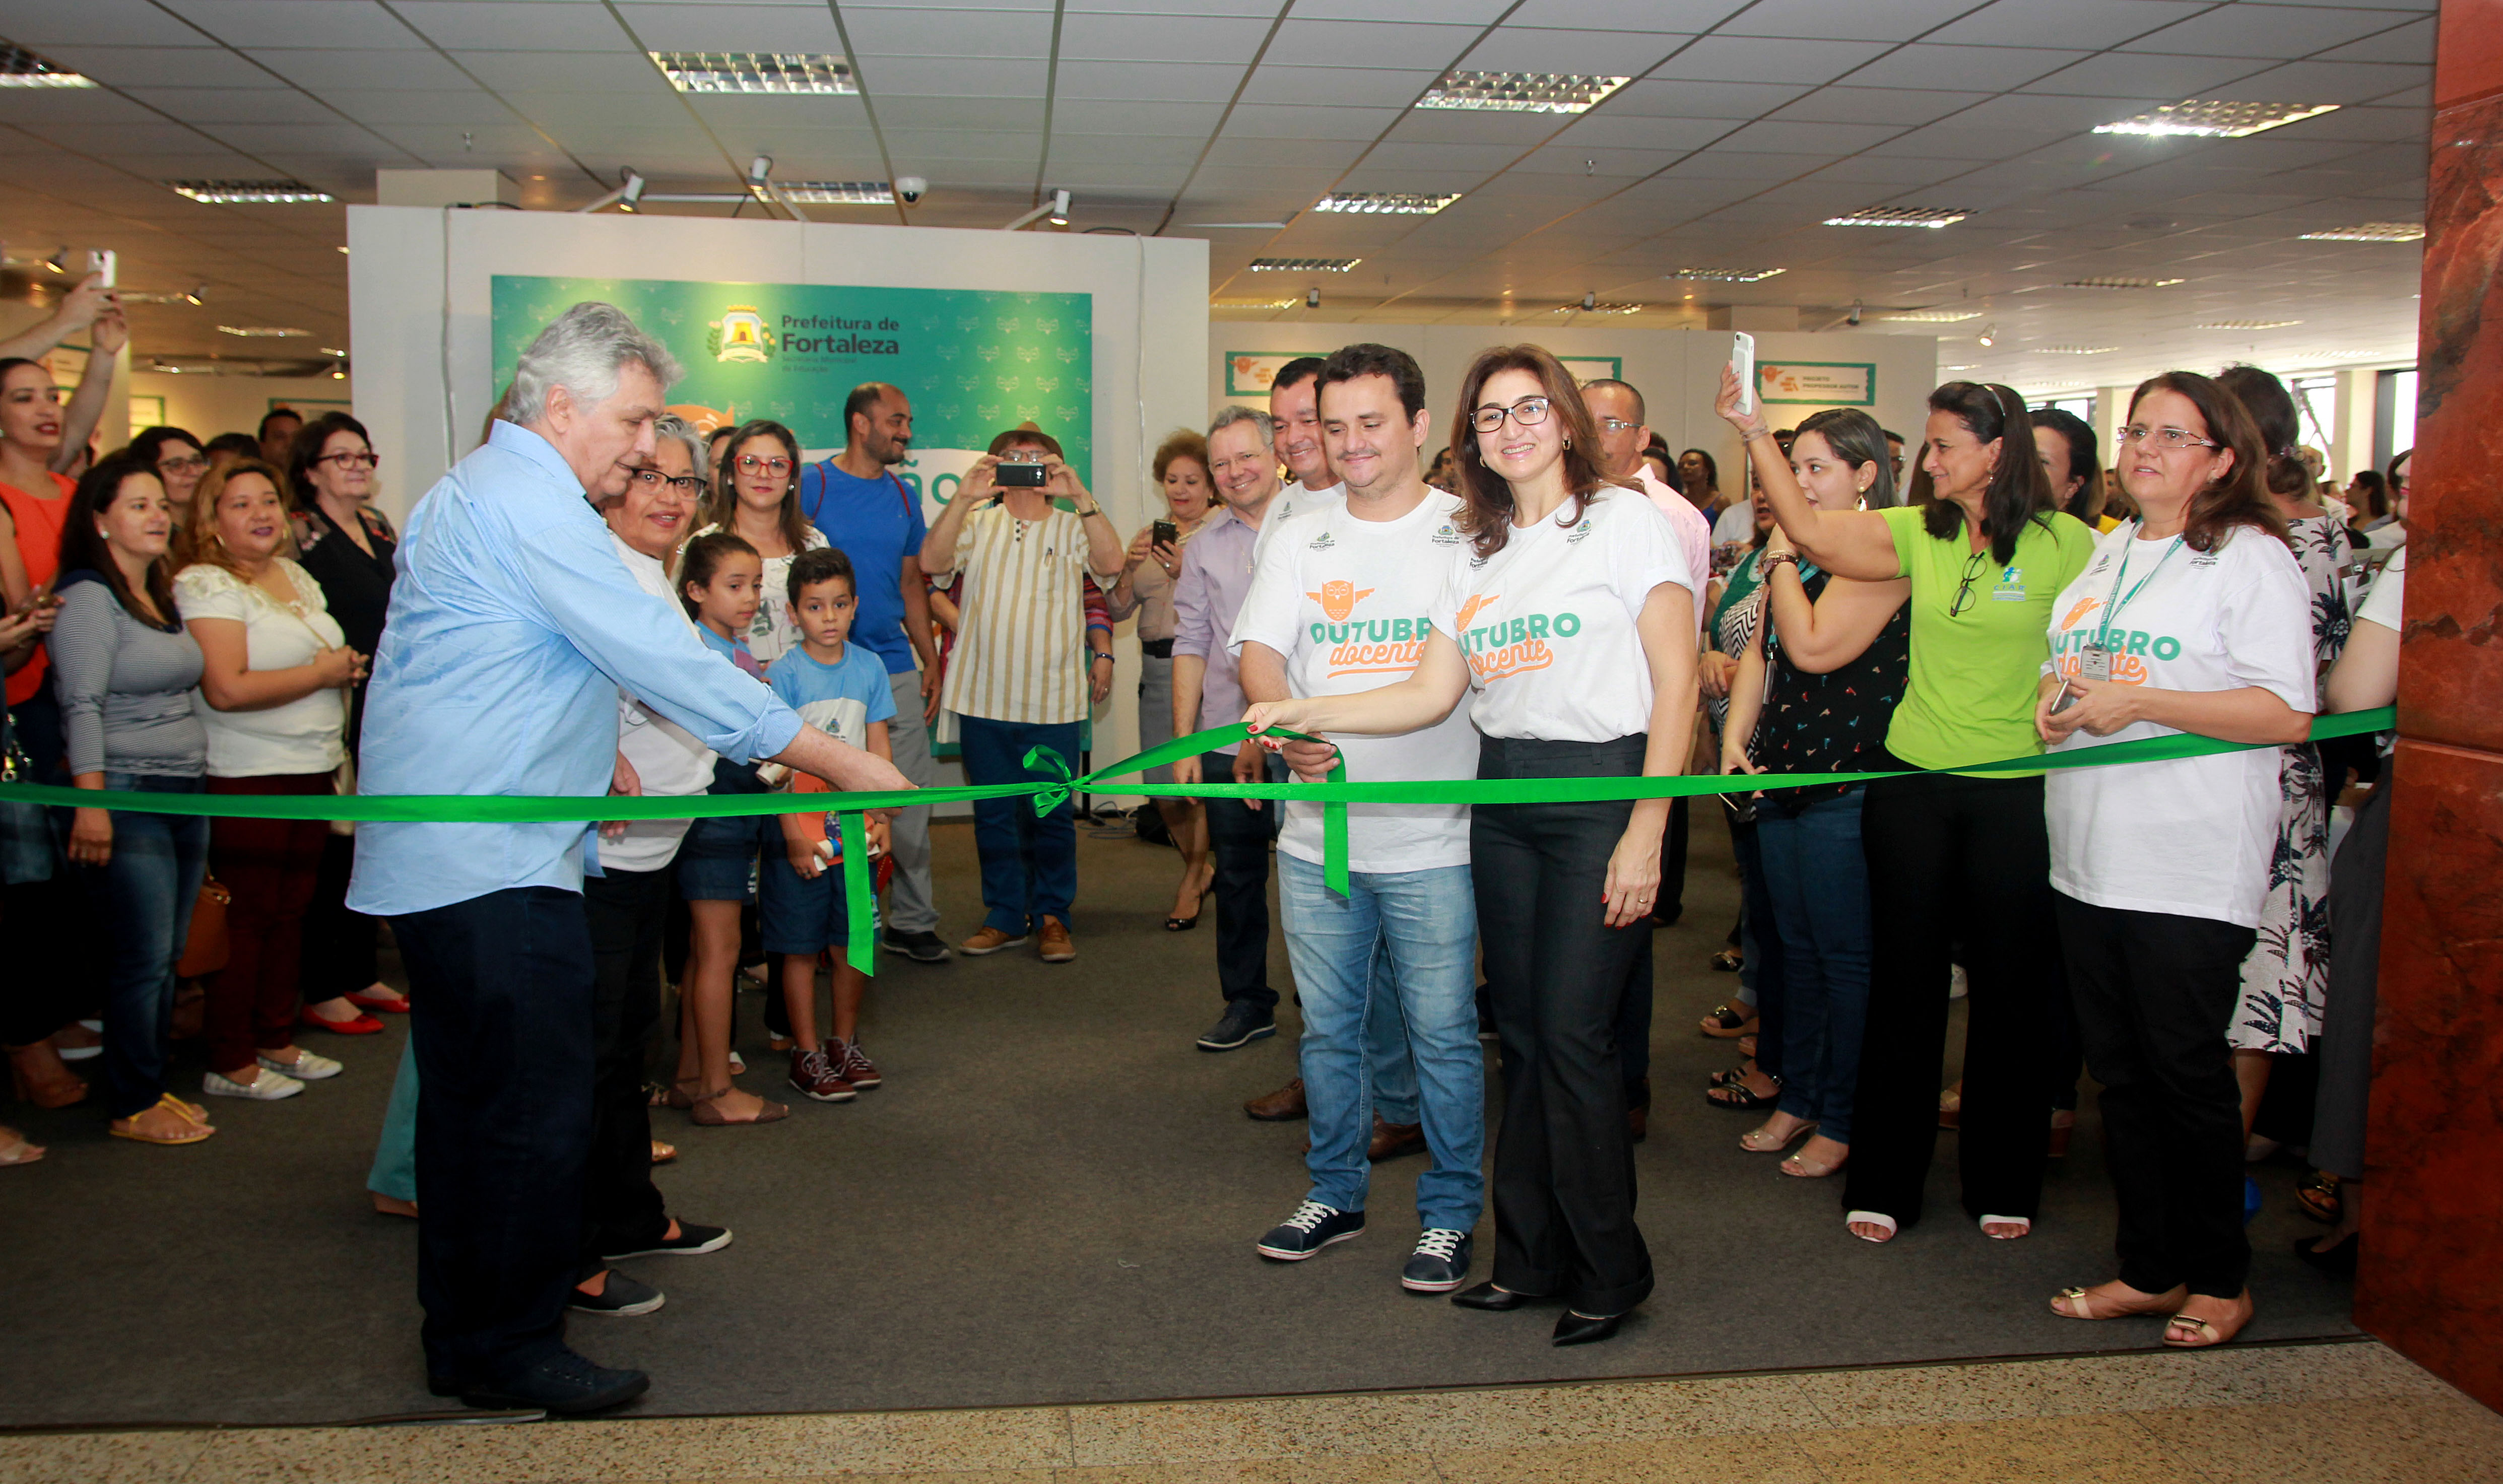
[
  {"x": 1249, "y": 373},
  {"x": 975, "y": 362},
  {"x": 1586, "y": 369},
  {"x": 1821, "y": 382}
]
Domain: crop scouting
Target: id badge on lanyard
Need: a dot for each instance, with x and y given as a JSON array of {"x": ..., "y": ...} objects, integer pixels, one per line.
[{"x": 2094, "y": 663}]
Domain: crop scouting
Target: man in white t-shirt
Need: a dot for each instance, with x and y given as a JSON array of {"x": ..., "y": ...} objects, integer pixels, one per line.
[
  {"x": 1340, "y": 603},
  {"x": 1294, "y": 410}
]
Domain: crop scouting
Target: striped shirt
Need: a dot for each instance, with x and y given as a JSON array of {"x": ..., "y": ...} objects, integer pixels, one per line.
[{"x": 1021, "y": 655}]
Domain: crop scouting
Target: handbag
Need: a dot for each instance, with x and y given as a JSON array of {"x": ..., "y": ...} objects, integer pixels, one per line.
[
  {"x": 28, "y": 852},
  {"x": 206, "y": 950}
]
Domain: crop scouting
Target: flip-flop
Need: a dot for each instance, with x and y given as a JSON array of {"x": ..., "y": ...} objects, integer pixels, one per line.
[{"x": 2156, "y": 1306}]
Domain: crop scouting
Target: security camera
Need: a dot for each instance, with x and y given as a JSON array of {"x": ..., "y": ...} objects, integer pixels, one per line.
[{"x": 908, "y": 187}]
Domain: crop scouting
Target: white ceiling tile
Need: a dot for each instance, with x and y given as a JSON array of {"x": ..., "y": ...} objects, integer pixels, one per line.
[
  {"x": 449, "y": 106},
  {"x": 520, "y": 74},
  {"x": 1149, "y": 81},
  {"x": 501, "y": 25},
  {"x": 246, "y": 23},
  {"x": 357, "y": 71},
  {"x": 1909, "y": 107},
  {"x": 1596, "y": 132},
  {"x": 948, "y": 33},
  {"x": 1366, "y": 44},
  {"x": 2113, "y": 75},
  {"x": 1763, "y": 59},
  {"x": 1472, "y": 12},
  {"x": 1087, "y": 116},
  {"x": 1278, "y": 121},
  {"x": 1307, "y": 154},
  {"x": 2412, "y": 43},
  {"x": 2280, "y": 31},
  {"x": 1859, "y": 21},
  {"x": 2323, "y": 83},
  {"x": 1788, "y": 136},
  {"x": 195, "y": 66},
  {"x": 1354, "y": 86},
  {"x": 932, "y": 77},
  {"x": 1691, "y": 98},
  {"x": 98, "y": 22},
  {"x": 1161, "y": 38},
  {"x": 2086, "y": 24},
  {"x": 1926, "y": 65},
  {"x": 223, "y": 105},
  {"x": 69, "y": 107},
  {"x": 1599, "y": 54},
  {"x": 733, "y": 27}
]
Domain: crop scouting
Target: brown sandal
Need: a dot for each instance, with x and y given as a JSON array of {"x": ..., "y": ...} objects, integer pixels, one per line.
[{"x": 707, "y": 1113}]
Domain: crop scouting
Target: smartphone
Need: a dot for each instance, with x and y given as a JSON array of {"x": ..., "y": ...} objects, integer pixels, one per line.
[
  {"x": 106, "y": 262},
  {"x": 1164, "y": 533},
  {"x": 1019, "y": 476},
  {"x": 1742, "y": 360}
]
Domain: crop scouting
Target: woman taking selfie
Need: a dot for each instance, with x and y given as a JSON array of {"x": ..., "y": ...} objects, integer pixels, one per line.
[
  {"x": 2189, "y": 619},
  {"x": 1954, "y": 858},
  {"x": 1571, "y": 613}
]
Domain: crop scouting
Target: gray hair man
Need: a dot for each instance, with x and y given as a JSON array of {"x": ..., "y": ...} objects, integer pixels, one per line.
[{"x": 509, "y": 636}]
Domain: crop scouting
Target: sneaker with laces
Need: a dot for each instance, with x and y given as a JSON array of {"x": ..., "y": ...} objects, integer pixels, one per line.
[
  {"x": 268, "y": 1086},
  {"x": 850, "y": 1065},
  {"x": 1313, "y": 1227},
  {"x": 1439, "y": 1264},
  {"x": 565, "y": 1384},
  {"x": 921, "y": 947},
  {"x": 815, "y": 1077},
  {"x": 620, "y": 1298},
  {"x": 308, "y": 1066},
  {"x": 989, "y": 940},
  {"x": 1056, "y": 947},
  {"x": 1242, "y": 1024}
]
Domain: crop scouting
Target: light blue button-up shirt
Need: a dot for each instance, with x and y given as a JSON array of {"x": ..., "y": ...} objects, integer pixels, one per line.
[{"x": 512, "y": 625}]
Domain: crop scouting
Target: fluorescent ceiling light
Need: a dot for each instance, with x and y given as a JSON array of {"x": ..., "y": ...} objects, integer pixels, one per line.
[
  {"x": 1599, "y": 309},
  {"x": 1520, "y": 92},
  {"x": 757, "y": 72},
  {"x": 21, "y": 68},
  {"x": 1933, "y": 317},
  {"x": 2072, "y": 350},
  {"x": 264, "y": 331},
  {"x": 2216, "y": 119},
  {"x": 2120, "y": 283},
  {"x": 2370, "y": 231},
  {"x": 1251, "y": 303},
  {"x": 248, "y": 192},
  {"x": 2246, "y": 324},
  {"x": 836, "y": 193},
  {"x": 1400, "y": 203},
  {"x": 1899, "y": 216},
  {"x": 1727, "y": 275},
  {"x": 2302, "y": 357},
  {"x": 332, "y": 349},
  {"x": 1304, "y": 264}
]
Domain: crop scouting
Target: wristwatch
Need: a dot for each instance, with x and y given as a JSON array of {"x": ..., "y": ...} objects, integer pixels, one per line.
[{"x": 1771, "y": 560}]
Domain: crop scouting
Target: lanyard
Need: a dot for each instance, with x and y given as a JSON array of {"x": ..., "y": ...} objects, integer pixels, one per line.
[{"x": 2117, "y": 601}]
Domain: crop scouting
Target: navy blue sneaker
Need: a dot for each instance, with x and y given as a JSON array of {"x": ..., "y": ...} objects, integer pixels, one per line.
[
  {"x": 1313, "y": 1227},
  {"x": 620, "y": 1298},
  {"x": 565, "y": 1384},
  {"x": 1242, "y": 1024},
  {"x": 1439, "y": 1264}
]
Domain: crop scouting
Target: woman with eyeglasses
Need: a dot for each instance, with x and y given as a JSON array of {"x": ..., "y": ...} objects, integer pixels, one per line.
[
  {"x": 1954, "y": 857},
  {"x": 176, "y": 456},
  {"x": 1569, "y": 614},
  {"x": 346, "y": 546},
  {"x": 756, "y": 497},
  {"x": 2394, "y": 532},
  {"x": 2189, "y": 620}
]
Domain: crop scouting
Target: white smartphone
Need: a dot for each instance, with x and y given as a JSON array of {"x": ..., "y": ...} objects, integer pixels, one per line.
[
  {"x": 1742, "y": 360},
  {"x": 106, "y": 262}
]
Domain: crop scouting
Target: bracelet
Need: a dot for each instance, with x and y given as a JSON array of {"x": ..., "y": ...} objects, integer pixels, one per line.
[
  {"x": 1771, "y": 560},
  {"x": 1098, "y": 654},
  {"x": 1751, "y": 434}
]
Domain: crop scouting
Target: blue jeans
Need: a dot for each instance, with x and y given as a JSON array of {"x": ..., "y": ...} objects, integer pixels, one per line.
[
  {"x": 148, "y": 886},
  {"x": 1427, "y": 921},
  {"x": 394, "y": 1171},
  {"x": 1029, "y": 865},
  {"x": 1818, "y": 877}
]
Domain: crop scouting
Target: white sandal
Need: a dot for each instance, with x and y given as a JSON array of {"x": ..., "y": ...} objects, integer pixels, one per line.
[
  {"x": 1851, "y": 1219},
  {"x": 2024, "y": 1226}
]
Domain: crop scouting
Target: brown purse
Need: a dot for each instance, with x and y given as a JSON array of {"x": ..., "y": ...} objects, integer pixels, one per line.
[{"x": 206, "y": 950}]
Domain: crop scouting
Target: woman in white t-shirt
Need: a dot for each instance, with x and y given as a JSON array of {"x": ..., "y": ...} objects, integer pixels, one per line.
[
  {"x": 756, "y": 496},
  {"x": 1571, "y": 613},
  {"x": 2189, "y": 619},
  {"x": 273, "y": 697}
]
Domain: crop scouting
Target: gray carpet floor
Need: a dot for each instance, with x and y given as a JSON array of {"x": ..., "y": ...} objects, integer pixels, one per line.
[{"x": 1054, "y": 1198}]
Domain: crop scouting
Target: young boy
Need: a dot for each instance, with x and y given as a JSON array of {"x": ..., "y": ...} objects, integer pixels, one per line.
[{"x": 843, "y": 691}]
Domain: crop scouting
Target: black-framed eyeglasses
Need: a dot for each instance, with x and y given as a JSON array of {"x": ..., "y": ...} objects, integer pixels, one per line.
[
  {"x": 749, "y": 464},
  {"x": 366, "y": 461},
  {"x": 182, "y": 463},
  {"x": 1528, "y": 412},
  {"x": 1964, "y": 590},
  {"x": 2163, "y": 437},
  {"x": 650, "y": 481}
]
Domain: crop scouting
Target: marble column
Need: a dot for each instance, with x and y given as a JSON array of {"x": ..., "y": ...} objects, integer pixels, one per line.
[{"x": 2431, "y": 1283}]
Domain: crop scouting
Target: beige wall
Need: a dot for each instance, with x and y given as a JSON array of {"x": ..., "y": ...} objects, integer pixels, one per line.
[{"x": 206, "y": 406}]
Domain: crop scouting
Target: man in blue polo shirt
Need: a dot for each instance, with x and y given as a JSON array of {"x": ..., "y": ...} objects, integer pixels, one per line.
[{"x": 874, "y": 518}]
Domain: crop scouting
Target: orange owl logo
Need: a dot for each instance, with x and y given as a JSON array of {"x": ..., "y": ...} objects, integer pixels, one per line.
[
  {"x": 1338, "y": 599},
  {"x": 2084, "y": 606},
  {"x": 1472, "y": 608}
]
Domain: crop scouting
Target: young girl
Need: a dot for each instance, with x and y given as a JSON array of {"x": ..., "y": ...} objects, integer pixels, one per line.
[{"x": 718, "y": 580}]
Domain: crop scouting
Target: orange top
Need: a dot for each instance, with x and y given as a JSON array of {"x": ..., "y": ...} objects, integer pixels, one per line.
[{"x": 38, "y": 518}]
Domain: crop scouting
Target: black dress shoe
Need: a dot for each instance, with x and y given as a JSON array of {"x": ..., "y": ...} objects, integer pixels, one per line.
[
  {"x": 1573, "y": 1328},
  {"x": 1486, "y": 1295},
  {"x": 565, "y": 1384},
  {"x": 2337, "y": 1261}
]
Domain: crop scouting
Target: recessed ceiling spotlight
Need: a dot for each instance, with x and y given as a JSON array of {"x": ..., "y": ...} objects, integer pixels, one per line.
[
  {"x": 837, "y": 192},
  {"x": 2370, "y": 231},
  {"x": 21, "y": 68},
  {"x": 248, "y": 192},
  {"x": 264, "y": 331},
  {"x": 2246, "y": 324},
  {"x": 2216, "y": 119},
  {"x": 2071, "y": 350},
  {"x": 1933, "y": 317},
  {"x": 1398, "y": 203},
  {"x": 2120, "y": 283},
  {"x": 1899, "y": 216},
  {"x": 757, "y": 72},
  {"x": 1520, "y": 92},
  {"x": 1727, "y": 275},
  {"x": 1304, "y": 264}
]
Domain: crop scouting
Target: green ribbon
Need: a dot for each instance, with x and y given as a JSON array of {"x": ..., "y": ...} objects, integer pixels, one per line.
[{"x": 1058, "y": 784}]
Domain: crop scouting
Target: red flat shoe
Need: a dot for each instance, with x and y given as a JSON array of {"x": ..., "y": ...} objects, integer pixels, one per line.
[
  {"x": 393, "y": 1005},
  {"x": 363, "y": 1025}
]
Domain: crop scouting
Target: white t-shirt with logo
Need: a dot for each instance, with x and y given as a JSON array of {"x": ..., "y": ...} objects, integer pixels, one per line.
[
  {"x": 2194, "y": 836},
  {"x": 1292, "y": 501},
  {"x": 1547, "y": 623},
  {"x": 1347, "y": 602}
]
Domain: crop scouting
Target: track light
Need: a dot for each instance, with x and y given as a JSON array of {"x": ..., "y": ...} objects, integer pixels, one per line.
[
  {"x": 196, "y": 296},
  {"x": 1590, "y": 299},
  {"x": 1059, "y": 207},
  {"x": 623, "y": 197},
  {"x": 1056, "y": 208},
  {"x": 1989, "y": 335},
  {"x": 58, "y": 261}
]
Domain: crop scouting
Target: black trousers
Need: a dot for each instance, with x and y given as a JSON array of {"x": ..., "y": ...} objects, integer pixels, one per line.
[
  {"x": 1633, "y": 1029},
  {"x": 2156, "y": 993},
  {"x": 1238, "y": 843},
  {"x": 501, "y": 1015},
  {"x": 621, "y": 1209},
  {"x": 1672, "y": 859},
  {"x": 1555, "y": 971},
  {"x": 1953, "y": 857},
  {"x": 342, "y": 948}
]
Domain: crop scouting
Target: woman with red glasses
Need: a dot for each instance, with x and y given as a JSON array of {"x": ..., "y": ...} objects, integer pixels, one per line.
[{"x": 756, "y": 497}]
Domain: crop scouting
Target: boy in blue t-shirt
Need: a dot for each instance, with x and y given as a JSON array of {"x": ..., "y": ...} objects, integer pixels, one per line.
[{"x": 841, "y": 688}]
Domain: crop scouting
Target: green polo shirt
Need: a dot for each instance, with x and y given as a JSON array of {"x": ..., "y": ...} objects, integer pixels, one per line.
[{"x": 1975, "y": 674}]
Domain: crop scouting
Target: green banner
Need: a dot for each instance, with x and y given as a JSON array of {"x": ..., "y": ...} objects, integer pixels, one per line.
[{"x": 975, "y": 362}]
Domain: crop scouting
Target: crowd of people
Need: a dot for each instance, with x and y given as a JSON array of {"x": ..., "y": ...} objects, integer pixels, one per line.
[{"x": 1549, "y": 594}]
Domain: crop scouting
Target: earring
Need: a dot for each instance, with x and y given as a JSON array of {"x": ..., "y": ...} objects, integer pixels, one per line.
[{"x": 1568, "y": 443}]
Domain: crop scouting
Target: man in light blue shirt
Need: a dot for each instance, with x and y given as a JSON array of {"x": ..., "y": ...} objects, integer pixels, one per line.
[{"x": 510, "y": 631}]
